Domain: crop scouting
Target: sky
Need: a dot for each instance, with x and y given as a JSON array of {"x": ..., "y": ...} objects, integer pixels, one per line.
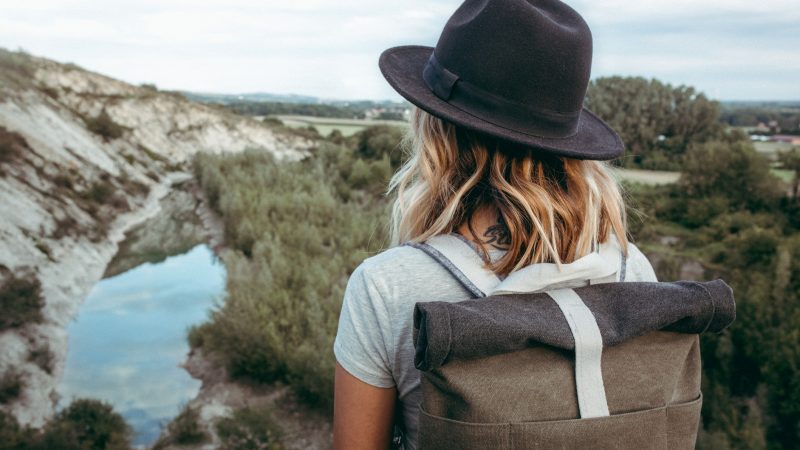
[{"x": 731, "y": 49}]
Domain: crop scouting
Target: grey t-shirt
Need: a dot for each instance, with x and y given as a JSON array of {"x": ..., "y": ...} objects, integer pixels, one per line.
[{"x": 374, "y": 339}]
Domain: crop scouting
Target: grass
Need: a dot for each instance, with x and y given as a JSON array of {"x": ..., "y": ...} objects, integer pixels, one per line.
[
  {"x": 249, "y": 429},
  {"x": 771, "y": 148},
  {"x": 16, "y": 69},
  {"x": 104, "y": 126}
]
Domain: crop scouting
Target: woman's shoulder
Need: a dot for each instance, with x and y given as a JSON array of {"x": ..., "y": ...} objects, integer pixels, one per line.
[{"x": 403, "y": 270}]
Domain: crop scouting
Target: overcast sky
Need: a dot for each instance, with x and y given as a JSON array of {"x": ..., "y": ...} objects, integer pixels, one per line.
[{"x": 731, "y": 49}]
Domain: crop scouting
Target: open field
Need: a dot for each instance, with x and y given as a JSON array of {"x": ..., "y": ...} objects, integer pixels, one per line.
[
  {"x": 325, "y": 125},
  {"x": 648, "y": 177},
  {"x": 770, "y": 148}
]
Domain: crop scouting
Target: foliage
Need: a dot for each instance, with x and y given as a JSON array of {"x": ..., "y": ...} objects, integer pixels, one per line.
[
  {"x": 11, "y": 385},
  {"x": 104, "y": 126},
  {"x": 379, "y": 142},
  {"x": 249, "y": 429},
  {"x": 16, "y": 70},
  {"x": 656, "y": 121},
  {"x": 790, "y": 160},
  {"x": 738, "y": 226},
  {"x": 184, "y": 430},
  {"x": 11, "y": 144},
  {"x": 43, "y": 357},
  {"x": 734, "y": 172},
  {"x": 86, "y": 425},
  {"x": 83, "y": 425},
  {"x": 299, "y": 229},
  {"x": 21, "y": 302},
  {"x": 750, "y": 114},
  {"x": 12, "y": 436},
  {"x": 295, "y": 109}
]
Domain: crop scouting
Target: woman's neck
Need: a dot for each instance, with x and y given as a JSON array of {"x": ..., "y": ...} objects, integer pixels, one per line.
[{"x": 486, "y": 227}]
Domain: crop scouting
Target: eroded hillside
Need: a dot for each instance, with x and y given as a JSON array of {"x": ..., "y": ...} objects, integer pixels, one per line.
[{"x": 83, "y": 159}]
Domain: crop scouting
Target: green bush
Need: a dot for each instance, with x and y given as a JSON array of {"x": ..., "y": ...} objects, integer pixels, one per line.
[
  {"x": 249, "y": 429},
  {"x": 42, "y": 356},
  {"x": 12, "y": 144},
  {"x": 21, "y": 302},
  {"x": 100, "y": 192},
  {"x": 184, "y": 430},
  {"x": 83, "y": 425},
  {"x": 12, "y": 435},
  {"x": 11, "y": 385},
  {"x": 104, "y": 126},
  {"x": 86, "y": 425}
]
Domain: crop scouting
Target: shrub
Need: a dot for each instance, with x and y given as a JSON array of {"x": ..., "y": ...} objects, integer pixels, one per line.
[
  {"x": 12, "y": 144},
  {"x": 13, "y": 436},
  {"x": 99, "y": 192},
  {"x": 249, "y": 429},
  {"x": 104, "y": 126},
  {"x": 86, "y": 425},
  {"x": 42, "y": 356},
  {"x": 11, "y": 385},
  {"x": 63, "y": 181},
  {"x": 21, "y": 302},
  {"x": 184, "y": 430}
]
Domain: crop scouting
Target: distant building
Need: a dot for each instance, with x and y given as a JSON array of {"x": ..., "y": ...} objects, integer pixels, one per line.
[{"x": 786, "y": 139}]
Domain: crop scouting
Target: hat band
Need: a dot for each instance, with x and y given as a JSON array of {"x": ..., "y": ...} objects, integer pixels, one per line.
[{"x": 494, "y": 109}]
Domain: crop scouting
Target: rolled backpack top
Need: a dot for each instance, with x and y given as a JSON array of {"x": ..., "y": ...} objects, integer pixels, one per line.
[{"x": 610, "y": 365}]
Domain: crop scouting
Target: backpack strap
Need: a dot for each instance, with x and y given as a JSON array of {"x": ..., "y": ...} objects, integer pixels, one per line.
[
  {"x": 588, "y": 353},
  {"x": 461, "y": 260}
]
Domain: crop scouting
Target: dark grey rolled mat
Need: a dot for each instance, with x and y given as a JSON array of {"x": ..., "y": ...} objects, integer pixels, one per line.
[{"x": 505, "y": 323}]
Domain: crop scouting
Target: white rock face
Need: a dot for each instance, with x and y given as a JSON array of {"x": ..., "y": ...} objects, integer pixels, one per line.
[{"x": 50, "y": 223}]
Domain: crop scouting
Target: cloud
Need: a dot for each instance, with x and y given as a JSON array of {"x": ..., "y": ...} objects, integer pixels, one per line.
[{"x": 731, "y": 49}]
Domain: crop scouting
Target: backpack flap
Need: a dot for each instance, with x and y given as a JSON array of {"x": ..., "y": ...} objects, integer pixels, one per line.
[{"x": 506, "y": 323}]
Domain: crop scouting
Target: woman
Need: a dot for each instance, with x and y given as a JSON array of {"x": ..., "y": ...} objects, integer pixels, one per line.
[{"x": 503, "y": 155}]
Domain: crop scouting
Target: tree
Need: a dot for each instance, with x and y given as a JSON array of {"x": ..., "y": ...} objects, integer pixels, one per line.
[
  {"x": 734, "y": 171},
  {"x": 656, "y": 121},
  {"x": 790, "y": 160}
]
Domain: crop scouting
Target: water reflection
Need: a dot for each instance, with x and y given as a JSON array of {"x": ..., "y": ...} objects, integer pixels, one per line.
[{"x": 130, "y": 336}]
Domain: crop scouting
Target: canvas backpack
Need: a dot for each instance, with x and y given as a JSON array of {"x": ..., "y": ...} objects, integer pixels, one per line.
[{"x": 609, "y": 365}]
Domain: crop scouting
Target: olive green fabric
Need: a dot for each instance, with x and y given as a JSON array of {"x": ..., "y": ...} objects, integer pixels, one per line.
[{"x": 527, "y": 399}]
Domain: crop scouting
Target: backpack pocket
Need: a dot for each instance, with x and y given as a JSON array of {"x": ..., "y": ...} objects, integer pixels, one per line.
[{"x": 665, "y": 428}]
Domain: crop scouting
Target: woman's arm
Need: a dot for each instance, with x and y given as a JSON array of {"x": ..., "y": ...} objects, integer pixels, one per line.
[{"x": 363, "y": 415}]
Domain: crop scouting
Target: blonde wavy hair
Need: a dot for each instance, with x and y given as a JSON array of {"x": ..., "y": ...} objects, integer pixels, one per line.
[{"x": 556, "y": 209}]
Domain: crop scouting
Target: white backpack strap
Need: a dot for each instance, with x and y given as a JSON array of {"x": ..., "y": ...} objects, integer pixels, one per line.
[
  {"x": 461, "y": 260},
  {"x": 588, "y": 353}
]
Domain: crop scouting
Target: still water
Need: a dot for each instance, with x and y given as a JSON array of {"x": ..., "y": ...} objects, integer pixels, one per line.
[{"x": 130, "y": 336}]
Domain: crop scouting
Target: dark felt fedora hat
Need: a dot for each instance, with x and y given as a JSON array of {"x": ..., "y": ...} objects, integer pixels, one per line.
[{"x": 516, "y": 70}]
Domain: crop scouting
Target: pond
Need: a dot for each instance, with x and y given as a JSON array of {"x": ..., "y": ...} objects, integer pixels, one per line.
[{"x": 129, "y": 336}]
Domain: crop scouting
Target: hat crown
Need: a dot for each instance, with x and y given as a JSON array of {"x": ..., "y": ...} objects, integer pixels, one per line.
[{"x": 535, "y": 53}]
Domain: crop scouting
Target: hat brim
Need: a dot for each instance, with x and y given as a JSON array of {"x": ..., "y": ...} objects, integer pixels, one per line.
[{"x": 402, "y": 67}]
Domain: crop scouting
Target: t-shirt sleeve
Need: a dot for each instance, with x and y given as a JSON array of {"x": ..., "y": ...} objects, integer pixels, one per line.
[
  {"x": 638, "y": 267},
  {"x": 364, "y": 337}
]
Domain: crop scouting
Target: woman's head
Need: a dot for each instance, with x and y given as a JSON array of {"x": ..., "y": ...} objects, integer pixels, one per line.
[{"x": 556, "y": 209}]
